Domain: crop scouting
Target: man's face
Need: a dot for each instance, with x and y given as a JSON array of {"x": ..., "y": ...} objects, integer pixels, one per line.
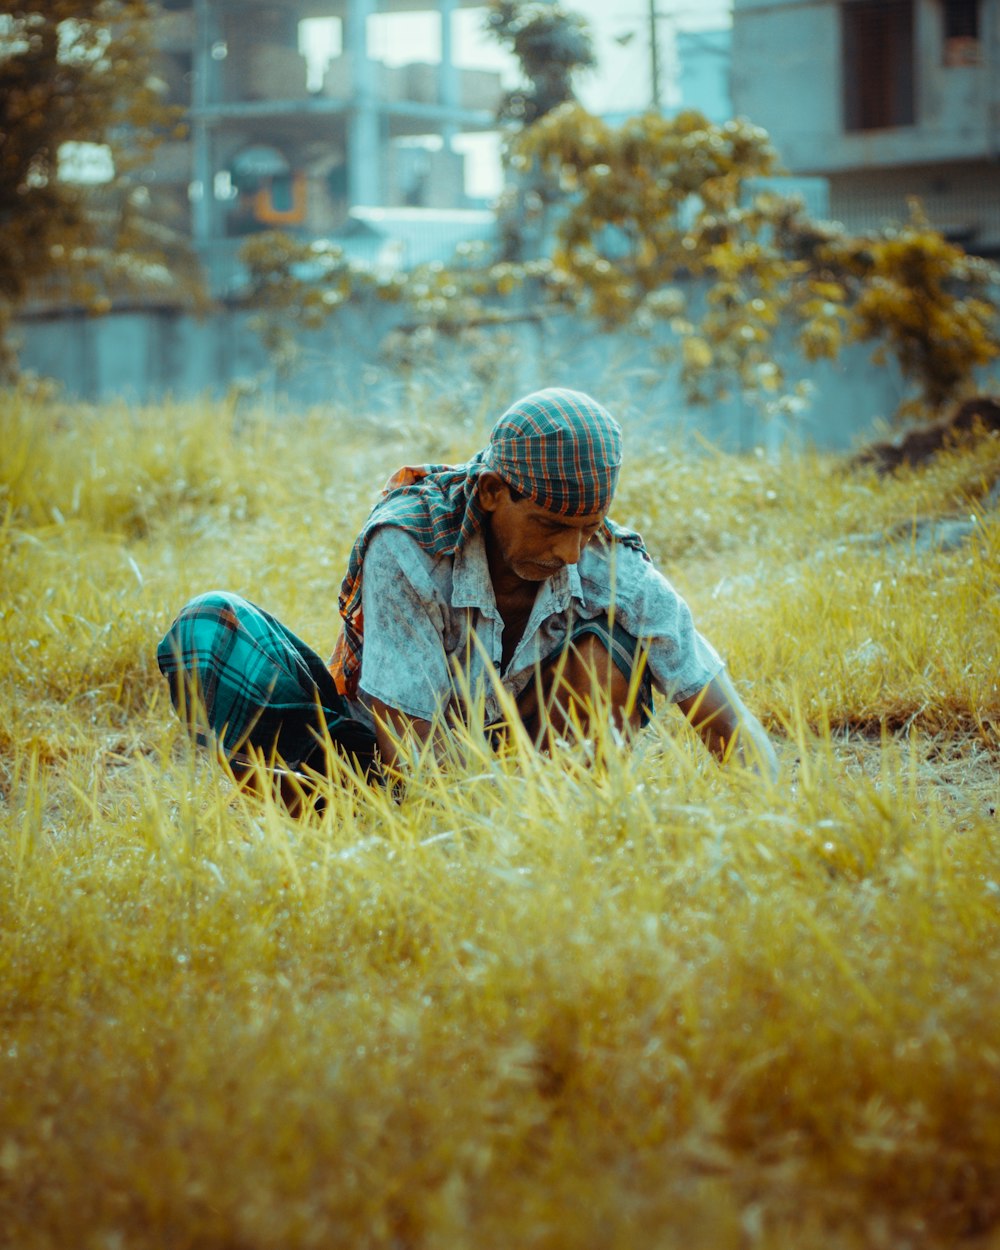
[{"x": 529, "y": 541}]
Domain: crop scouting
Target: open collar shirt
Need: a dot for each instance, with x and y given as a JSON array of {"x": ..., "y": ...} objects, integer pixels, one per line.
[{"x": 433, "y": 637}]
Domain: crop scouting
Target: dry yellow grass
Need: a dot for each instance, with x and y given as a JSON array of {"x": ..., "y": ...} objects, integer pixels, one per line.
[{"x": 643, "y": 1003}]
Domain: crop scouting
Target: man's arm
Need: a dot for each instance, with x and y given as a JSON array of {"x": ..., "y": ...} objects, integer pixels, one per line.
[{"x": 728, "y": 728}]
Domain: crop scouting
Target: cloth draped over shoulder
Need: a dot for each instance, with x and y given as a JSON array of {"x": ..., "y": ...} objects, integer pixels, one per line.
[{"x": 559, "y": 448}]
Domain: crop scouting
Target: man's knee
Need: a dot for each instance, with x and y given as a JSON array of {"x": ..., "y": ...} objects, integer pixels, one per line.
[
  {"x": 591, "y": 673},
  {"x": 177, "y": 647},
  {"x": 212, "y": 603},
  {"x": 190, "y": 652},
  {"x": 613, "y": 682}
]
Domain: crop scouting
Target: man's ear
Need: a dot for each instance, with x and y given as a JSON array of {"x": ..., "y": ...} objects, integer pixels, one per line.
[{"x": 492, "y": 490}]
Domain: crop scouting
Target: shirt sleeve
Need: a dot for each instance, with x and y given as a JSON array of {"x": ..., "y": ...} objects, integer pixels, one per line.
[
  {"x": 681, "y": 661},
  {"x": 403, "y": 660}
]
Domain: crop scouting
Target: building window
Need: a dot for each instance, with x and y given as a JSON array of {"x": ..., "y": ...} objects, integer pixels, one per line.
[
  {"x": 879, "y": 78},
  {"x": 961, "y": 32}
]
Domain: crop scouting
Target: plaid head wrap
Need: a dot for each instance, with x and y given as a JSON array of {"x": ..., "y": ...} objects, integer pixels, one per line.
[{"x": 559, "y": 448}]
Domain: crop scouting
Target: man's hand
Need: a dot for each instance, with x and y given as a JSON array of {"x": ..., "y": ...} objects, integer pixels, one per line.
[
  {"x": 726, "y": 725},
  {"x": 728, "y": 728},
  {"x": 394, "y": 730}
]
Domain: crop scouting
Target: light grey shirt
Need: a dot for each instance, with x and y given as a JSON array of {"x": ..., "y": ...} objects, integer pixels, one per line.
[{"x": 426, "y": 618}]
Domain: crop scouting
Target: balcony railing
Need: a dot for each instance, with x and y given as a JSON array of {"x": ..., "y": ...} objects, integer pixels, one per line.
[{"x": 970, "y": 215}]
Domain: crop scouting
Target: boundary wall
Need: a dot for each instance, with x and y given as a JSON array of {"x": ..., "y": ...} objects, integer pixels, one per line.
[{"x": 146, "y": 356}]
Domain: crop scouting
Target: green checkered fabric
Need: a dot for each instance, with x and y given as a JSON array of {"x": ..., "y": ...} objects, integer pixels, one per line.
[
  {"x": 239, "y": 679},
  {"x": 560, "y": 448}
]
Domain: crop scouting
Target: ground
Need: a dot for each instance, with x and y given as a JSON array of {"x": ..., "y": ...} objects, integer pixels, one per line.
[{"x": 619, "y": 998}]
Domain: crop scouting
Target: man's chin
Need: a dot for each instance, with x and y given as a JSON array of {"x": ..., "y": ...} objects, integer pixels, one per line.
[{"x": 537, "y": 572}]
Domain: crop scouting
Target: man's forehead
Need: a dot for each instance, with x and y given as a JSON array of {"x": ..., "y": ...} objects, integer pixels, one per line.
[{"x": 558, "y": 518}]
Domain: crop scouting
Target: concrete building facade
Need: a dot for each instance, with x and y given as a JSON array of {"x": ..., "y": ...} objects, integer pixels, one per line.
[
  {"x": 704, "y": 60},
  {"x": 270, "y": 147},
  {"x": 888, "y": 99}
]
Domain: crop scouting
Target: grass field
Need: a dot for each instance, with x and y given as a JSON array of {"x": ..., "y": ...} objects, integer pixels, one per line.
[{"x": 639, "y": 1003}]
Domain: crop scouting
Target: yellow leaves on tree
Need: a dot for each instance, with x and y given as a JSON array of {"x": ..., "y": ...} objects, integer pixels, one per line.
[
  {"x": 927, "y": 302},
  {"x": 660, "y": 221}
]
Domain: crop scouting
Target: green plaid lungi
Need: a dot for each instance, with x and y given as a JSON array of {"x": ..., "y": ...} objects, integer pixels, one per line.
[{"x": 239, "y": 679}]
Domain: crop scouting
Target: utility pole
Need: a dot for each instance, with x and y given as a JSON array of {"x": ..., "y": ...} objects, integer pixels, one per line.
[
  {"x": 205, "y": 93},
  {"x": 654, "y": 56}
]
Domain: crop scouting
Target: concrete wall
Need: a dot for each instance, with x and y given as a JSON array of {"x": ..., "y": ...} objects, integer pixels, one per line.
[
  {"x": 147, "y": 356},
  {"x": 786, "y": 75}
]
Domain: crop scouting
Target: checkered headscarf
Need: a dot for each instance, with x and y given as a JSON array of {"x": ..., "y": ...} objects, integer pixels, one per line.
[{"x": 559, "y": 448}]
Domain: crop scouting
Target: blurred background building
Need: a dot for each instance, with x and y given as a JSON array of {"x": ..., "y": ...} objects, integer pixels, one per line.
[
  {"x": 372, "y": 123},
  {"x": 704, "y": 65},
  {"x": 295, "y": 121},
  {"x": 886, "y": 99}
]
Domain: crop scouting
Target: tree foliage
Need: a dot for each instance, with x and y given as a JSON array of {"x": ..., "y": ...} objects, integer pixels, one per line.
[
  {"x": 670, "y": 226},
  {"x": 663, "y": 221},
  {"x": 654, "y": 204},
  {"x": 79, "y": 72},
  {"x": 924, "y": 302},
  {"x": 551, "y": 45},
  {"x": 297, "y": 285}
]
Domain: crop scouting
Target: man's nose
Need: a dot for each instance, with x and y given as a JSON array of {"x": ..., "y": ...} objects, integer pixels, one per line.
[{"x": 570, "y": 546}]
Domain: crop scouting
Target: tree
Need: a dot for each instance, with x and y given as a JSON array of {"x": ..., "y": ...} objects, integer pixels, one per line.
[
  {"x": 663, "y": 219},
  {"x": 649, "y": 206},
  {"x": 675, "y": 221},
  {"x": 552, "y": 45},
  {"x": 924, "y": 302},
  {"x": 79, "y": 72}
]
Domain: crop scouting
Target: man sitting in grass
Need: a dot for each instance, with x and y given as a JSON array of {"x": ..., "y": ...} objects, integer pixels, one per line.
[{"x": 475, "y": 589}]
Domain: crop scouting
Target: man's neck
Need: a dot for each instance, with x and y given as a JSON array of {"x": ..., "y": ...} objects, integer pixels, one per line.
[
  {"x": 514, "y": 596},
  {"x": 509, "y": 590},
  {"x": 514, "y": 603}
]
